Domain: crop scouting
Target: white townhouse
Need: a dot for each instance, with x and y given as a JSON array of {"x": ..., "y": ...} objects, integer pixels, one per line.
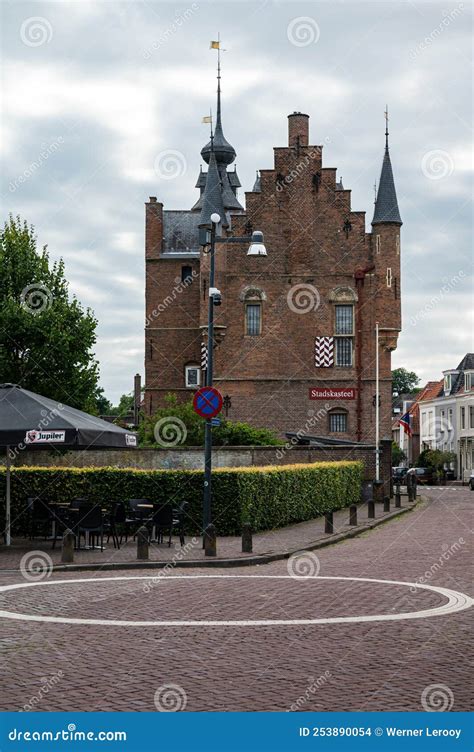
[{"x": 447, "y": 419}]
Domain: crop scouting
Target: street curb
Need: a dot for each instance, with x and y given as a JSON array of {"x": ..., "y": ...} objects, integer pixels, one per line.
[{"x": 248, "y": 561}]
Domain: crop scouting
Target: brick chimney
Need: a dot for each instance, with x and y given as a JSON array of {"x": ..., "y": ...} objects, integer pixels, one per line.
[{"x": 298, "y": 129}]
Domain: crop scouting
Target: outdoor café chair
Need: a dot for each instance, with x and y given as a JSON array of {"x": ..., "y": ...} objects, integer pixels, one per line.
[
  {"x": 63, "y": 520},
  {"x": 162, "y": 521},
  {"x": 91, "y": 522},
  {"x": 178, "y": 520},
  {"x": 40, "y": 517},
  {"x": 135, "y": 516},
  {"x": 116, "y": 518}
]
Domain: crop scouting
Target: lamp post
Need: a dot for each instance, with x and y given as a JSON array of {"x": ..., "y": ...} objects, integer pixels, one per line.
[
  {"x": 256, "y": 248},
  {"x": 206, "y": 519}
]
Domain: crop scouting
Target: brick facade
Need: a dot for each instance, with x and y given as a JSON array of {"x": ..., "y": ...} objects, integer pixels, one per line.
[{"x": 319, "y": 256}]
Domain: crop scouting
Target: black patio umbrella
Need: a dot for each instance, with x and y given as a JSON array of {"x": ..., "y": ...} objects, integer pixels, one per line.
[{"x": 28, "y": 420}]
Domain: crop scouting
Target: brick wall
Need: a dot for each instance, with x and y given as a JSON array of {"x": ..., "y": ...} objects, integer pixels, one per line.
[
  {"x": 315, "y": 241},
  {"x": 193, "y": 457}
]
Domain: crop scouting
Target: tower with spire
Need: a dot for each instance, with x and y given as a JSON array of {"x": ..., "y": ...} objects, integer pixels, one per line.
[
  {"x": 297, "y": 322},
  {"x": 386, "y": 224}
]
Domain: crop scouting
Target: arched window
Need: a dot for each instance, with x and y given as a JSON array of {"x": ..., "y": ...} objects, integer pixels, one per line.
[{"x": 253, "y": 298}]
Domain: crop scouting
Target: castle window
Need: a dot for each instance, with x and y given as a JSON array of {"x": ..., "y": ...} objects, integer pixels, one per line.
[
  {"x": 338, "y": 422},
  {"x": 377, "y": 244},
  {"x": 186, "y": 274},
  {"x": 397, "y": 245},
  {"x": 192, "y": 376},
  {"x": 253, "y": 298},
  {"x": 389, "y": 277},
  {"x": 344, "y": 326},
  {"x": 253, "y": 319}
]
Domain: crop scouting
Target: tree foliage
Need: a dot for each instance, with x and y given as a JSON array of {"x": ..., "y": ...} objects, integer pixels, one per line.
[
  {"x": 228, "y": 433},
  {"x": 398, "y": 455},
  {"x": 435, "y": 458},
  {"x": 45, "y": 337},
  {"x": 403, "y": 381}
]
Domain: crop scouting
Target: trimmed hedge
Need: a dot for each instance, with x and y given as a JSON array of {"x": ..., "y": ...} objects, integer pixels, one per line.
[{"x": 266, "y": 497}]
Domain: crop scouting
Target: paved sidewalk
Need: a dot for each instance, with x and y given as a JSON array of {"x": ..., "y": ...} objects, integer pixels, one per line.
[{"x": 294, "y": 537}]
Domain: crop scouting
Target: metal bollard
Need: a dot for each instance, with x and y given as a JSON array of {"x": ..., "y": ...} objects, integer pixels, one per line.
[
  {"x": 370, "y": 510},
  {"x": 67, "y": 550},
  {"x": 353, "y": 514},
  {"x": 247, "y": 546},
  {"x": 386, "y": 503},
  {"x": 398, "y": 496},
  {"x": 142, "y": 544},
  {"x": 328, "y": 522},
  {"x": 210, "y": 548}
]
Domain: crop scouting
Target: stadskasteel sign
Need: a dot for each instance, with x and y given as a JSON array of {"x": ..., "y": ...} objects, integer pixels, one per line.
[
  {"x": 344, "y": 393},
  {"x": 44, "y": 437}
]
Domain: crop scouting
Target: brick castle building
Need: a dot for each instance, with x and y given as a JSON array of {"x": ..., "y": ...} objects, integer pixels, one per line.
[{"x": 295, "y": 333}]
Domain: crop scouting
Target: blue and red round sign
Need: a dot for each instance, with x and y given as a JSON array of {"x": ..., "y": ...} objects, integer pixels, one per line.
[{"x": 207, "y": 402}]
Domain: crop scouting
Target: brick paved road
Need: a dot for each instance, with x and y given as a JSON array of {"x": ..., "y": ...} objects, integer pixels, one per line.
[{"x": 357, "y": 666}]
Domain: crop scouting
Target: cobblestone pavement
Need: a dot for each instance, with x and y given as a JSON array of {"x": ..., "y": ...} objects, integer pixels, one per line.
[
  {"x": 377, "y": 665},
  {"x": 229, "y": 547}
]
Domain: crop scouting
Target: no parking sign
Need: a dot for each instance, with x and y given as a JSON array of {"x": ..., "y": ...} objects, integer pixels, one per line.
[{"x": 207, "y": 402}]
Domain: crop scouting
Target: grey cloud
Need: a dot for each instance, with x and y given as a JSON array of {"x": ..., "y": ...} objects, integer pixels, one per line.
[{"x": 157, "y": 76}]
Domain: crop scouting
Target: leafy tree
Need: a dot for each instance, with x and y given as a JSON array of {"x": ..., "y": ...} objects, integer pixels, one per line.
[
  {"x": 175, "y": 414},
  {"x": 435, "y": 458},
  {"x": 403, "y": 381},
  {"x": 103, "y": 405},
  {"x": 124, "y": 406},
  {"x": 45, "y": 338},
  {"x": 398, "y": 455}
]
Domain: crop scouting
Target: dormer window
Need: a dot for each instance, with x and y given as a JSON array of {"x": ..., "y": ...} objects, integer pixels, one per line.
[
  {"x": 468, "y": 381},
  {"x": 450, "y": 378}
]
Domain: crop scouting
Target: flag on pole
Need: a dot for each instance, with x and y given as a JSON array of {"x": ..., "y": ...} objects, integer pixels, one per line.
[
  {"x": 207, "y": 119},
  {"x": 405, "y": 422},
  {"x": 215, "y": 45}
]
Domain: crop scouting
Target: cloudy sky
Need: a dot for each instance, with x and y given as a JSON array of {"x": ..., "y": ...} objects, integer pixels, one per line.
[{"x": 95, "y": 92}]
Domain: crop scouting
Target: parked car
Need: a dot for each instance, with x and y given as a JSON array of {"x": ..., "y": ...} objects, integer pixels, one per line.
[
  {"x": 471, "y": 482},
  {"x": 424, "y": 475},
  {"x": 399, "y": 474}
]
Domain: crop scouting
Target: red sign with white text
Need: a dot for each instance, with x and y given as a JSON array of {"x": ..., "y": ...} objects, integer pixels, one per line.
[{"x": 332, "y": 393}]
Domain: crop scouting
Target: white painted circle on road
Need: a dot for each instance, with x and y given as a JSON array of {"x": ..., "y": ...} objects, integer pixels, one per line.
[{"x": 455, "y": 602}]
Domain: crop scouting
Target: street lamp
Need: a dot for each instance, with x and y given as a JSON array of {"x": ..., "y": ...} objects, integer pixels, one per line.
[{"x": 256, "y": 248}]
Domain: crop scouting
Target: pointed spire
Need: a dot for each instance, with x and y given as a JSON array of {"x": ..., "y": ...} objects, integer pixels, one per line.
[
  {"x": 224, "y": 152},
  {"x": 257, "y": 186},
  {"x": 386, "y": 204},
  {"x": 212, "y": 196}
]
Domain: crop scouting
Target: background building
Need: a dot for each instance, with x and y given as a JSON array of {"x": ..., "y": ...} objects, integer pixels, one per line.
[
  {"x": 295, "y": 334},
  {"x": 447, "y": 417}
]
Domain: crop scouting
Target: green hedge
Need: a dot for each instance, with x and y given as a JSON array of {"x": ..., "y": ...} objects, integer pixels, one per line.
[{"x": 266, "y": 497}]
